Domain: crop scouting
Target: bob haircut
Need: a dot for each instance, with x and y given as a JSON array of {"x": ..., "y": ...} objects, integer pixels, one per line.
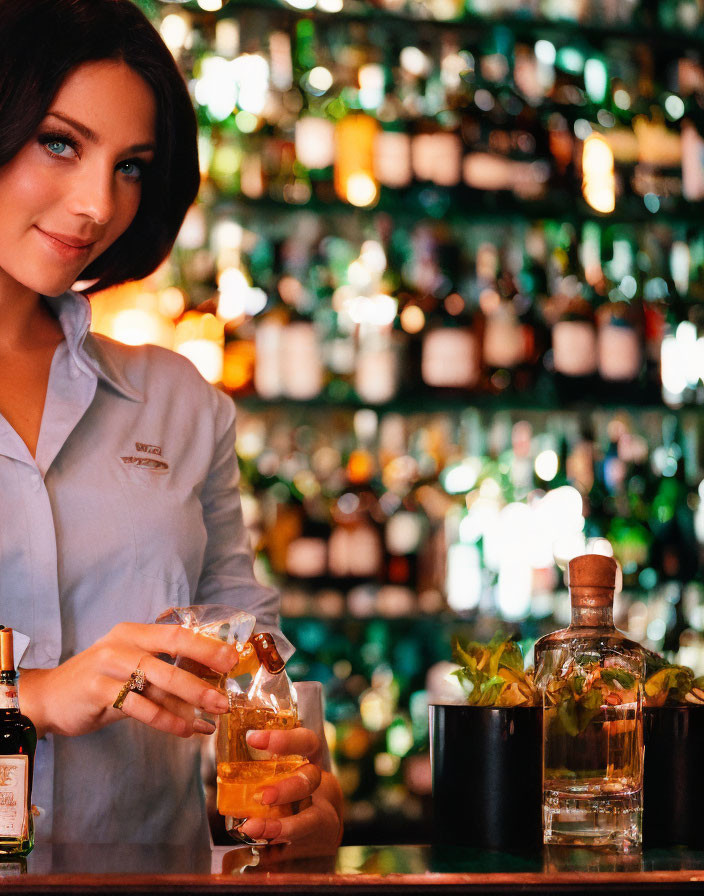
[{"x": 41, "y": 42}]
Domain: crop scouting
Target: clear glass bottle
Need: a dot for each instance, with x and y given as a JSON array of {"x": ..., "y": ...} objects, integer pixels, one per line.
[
  {"x": 18, "y": 741},
  {"x": 591, "y": 679}
]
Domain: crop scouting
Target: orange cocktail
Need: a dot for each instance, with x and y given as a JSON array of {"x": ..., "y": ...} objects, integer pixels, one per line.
[{"x": 240, "y": 771}]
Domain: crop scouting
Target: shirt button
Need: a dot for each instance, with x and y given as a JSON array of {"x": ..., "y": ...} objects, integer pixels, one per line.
[{"x": 36, "y": 481}]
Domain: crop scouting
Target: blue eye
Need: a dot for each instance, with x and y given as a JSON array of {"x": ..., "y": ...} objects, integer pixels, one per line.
[
  {"x": 57, "y": 147},
  {"x": 131, "y": 169}
]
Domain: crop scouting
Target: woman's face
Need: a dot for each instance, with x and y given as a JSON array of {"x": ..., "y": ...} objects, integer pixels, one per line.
[{"x": 72, "y": 190}]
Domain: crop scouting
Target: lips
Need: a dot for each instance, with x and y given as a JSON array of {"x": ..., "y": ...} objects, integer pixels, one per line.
[
  {"x": 74, "y": 242},
  {"x": 67, "y": 245}
]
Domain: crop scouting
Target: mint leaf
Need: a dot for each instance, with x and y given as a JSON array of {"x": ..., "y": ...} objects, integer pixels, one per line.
[
  {"x": 512, "y": 657},
  {"x": 491, "y": 690},
  {"x": 588, "y": 707},
  {"x": 462, "y": 656},
  {"x": 625, "y": 679},
  {"x": 671, "y": 681},
  {"x": 567, "y": 716}
]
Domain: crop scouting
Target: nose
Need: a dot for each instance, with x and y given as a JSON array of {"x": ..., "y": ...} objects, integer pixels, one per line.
[{"x": 93, "y": 194}]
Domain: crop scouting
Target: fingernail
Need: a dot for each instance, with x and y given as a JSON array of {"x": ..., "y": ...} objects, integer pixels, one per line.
[
  {"x": 266, "y": 797},
  {"x": 279, "y": 843},
  {"x": 203, "y": 727},
  {"x": 254, "y": 828},
  {"x": 216, "y": 701},
  {"x": 258, "y": 739}
]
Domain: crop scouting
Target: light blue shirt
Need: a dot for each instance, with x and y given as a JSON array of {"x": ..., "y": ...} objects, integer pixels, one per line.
[{"x": 130, "y": 507}]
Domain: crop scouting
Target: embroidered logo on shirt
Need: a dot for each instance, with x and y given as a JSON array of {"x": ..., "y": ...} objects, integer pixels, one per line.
[
  {"x": 151, "y": 463},
  {"x": 148, "y": 449}
]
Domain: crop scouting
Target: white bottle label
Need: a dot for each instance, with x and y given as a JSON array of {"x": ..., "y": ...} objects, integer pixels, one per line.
[
  {"x": 14, "y": 779},
  {"x": 619, "y": 353},
  {"x": 504, "y": 340},
  {"x": 300, "y": 361},
  {"x": 392, "y": 159},
  {"x": 450, "y": 358},
  {"x": 574, "y": 347},
  {"x": 376, "y": 376},
  {"x": 8, "y": 697}
]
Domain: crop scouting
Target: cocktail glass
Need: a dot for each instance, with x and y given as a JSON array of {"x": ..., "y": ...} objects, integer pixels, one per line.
[{"x": 243, "y": 771}]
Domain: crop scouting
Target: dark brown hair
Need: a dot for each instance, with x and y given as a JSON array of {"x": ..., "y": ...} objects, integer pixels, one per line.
[{"x": 41, "y": 42}]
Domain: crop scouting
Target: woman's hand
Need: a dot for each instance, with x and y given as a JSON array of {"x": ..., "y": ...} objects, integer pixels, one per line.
[
  {"x": 317, "y": 829},
  {"x": 77, "y": 696}
]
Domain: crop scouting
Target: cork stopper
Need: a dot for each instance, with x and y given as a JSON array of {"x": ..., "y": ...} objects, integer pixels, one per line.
[
  {"x": 7, "y": 658},
  {"x": 592, "y": 579}
]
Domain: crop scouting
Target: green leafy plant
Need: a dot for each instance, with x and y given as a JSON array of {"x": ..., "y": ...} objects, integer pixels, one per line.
[
  {"x": 584, "y": 688},
  {"x": 667, "y": 684},
  {"x": 492, "y": 674}
]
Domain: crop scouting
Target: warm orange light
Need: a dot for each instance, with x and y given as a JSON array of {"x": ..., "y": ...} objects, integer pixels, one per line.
[
  {"x": 598, "y": 180},
  {"x": 412, "y": 319},
  {"x": 195, "y": 325},
  {"x": 132, "y": 313},
  {"x": 360, "y": 466},
  {"x": 355, "y": 181},
  {"x": 238, "y": 367},
  {"x": 200, "y": 337}
]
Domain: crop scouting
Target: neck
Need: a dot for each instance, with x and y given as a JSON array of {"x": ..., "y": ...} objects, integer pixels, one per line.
[
  {"x": 25, "y": 321},
  {"x": 592, "y": 617},
  {"x": 8, "y": 691},
  {"x": 19, "y": 307}
]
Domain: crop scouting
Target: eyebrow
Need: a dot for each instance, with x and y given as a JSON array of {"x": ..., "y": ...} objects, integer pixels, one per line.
[{"x": 86, "y": 132}]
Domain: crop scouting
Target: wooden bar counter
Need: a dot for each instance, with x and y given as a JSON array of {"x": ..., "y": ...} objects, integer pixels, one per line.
[{"x": 135, "y": 870}]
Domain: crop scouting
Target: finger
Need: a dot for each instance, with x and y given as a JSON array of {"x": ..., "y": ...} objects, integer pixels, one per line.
[
  {"x": 318, "y": 824},
  {"x": 170, "y": 702},
  {"x": 298, "y": 741},
  {"x": 183, "y": 685},
  {"x": 176, "y": 640},
  {"x": 178, "y": 708},
  {"x": 143, "y": 710},
  {"x": 295, "y": 787},
  {"x": 262, "y": 828},
  {"x": 286, "y": 830}
]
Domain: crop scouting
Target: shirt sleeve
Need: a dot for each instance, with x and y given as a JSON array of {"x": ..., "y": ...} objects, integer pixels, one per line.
[{"x": 228, "y": 576}]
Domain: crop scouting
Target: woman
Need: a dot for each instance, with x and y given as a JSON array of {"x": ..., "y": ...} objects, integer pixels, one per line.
[{"x": 118, "y": 479}]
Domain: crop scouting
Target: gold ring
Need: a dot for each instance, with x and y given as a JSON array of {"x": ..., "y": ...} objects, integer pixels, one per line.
[{"x": 135, "y": 682}]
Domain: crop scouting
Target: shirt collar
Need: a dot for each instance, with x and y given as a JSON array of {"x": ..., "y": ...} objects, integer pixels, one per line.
[{"x": 74, "y": 315}]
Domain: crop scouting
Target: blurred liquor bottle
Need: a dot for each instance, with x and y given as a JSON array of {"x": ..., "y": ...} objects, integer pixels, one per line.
[
  {"x": 610, "y": 265},
  {"x": 355, "y": 546},
  {"x": 450, "y": 362}
]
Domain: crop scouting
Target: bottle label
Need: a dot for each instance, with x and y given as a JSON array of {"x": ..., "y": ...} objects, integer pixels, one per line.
[
  {"x": 12, "y": 869},
  {"x": 450, "y": 358},
  {"x": 619, "y": 353},
  {"x": 8, "y": 697},
  {"x": 14, "y": 779},
  {"x": 574, "y": 347},
  {"x": 504, "y": 340}
]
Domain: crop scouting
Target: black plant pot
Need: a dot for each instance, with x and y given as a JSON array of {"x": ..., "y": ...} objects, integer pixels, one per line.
[
  {"x": 487, "y": 776},
  {"x": 673, "y": 786}
]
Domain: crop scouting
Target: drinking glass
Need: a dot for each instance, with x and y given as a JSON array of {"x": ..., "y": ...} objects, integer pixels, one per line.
[{"x": 243, "y": 771}]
